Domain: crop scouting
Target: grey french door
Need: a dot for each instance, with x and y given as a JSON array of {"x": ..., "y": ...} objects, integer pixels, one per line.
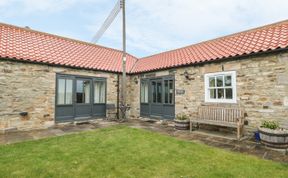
[
  {"x": 157, "y": 98},
  {"x": 79, "y": 98},
  {"x": 83, "y": 104}
]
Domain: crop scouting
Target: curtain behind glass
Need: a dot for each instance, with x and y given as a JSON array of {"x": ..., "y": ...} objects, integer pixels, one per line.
[{"x": 99, "y": 92}]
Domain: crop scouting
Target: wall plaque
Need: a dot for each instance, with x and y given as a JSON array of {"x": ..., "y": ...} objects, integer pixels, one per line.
[{"x": 180, "y": 92}]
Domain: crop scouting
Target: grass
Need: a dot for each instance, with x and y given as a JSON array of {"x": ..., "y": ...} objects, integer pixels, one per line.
[{"x": 121, "y": 151}]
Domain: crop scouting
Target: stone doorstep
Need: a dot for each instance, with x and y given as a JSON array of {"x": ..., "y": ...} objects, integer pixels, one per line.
[
  {"x": 284, "y": 151},
  {"x": 157, "y": 121}
]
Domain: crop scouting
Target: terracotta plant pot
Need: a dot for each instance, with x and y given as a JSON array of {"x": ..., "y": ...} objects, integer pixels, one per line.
[
  {"x": 274, "y": 138},
  {"x": 182, "y": 124}
]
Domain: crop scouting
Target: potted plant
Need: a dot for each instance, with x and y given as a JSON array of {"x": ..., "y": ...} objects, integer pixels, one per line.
[
  {"x": 272, "y": 135},
  {"x": 182, "y": 122}
]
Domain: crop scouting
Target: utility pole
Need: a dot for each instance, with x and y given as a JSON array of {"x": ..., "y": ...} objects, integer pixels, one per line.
[
  {"x": 123, "y": 86},
  {"x": 118, "y": 6}
]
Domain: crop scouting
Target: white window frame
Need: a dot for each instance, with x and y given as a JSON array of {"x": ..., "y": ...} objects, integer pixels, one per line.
[{"x": 233, "y": 83}]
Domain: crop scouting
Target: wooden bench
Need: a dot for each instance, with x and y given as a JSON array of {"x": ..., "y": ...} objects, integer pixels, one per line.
[{"x": 220, "y": 116}]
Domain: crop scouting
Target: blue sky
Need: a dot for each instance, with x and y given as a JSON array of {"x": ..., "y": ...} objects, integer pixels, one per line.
[{"x": 153, "y": 26}]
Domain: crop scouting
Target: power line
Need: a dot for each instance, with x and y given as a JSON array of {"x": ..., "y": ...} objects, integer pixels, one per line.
[{"x": 113, "y": 14}]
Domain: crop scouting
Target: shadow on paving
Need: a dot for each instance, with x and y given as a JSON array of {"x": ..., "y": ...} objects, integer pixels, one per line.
[{"x": 247, "y": 146}]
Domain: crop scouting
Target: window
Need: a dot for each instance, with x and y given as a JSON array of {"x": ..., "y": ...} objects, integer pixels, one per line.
[
  {"x": 83, "y": 91},
  {"x": 156, "y": 91},
  {"x": 159, "y": 92},
  {"x": 64, "y": 91},
  {"x": 99, "y": 92},
  {"x": 168, "y": 91},
  {"x": 220, "y": 87},
  {"x": 144, "y": 91}
]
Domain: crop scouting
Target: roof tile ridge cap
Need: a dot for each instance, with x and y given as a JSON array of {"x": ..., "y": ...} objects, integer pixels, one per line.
[
  {"x": 216, "y": 39},
  {"x": 58, "y": 36}
]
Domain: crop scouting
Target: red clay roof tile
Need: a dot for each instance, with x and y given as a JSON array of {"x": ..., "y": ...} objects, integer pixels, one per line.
[
  {"x": 29, "y": 45},
  {"x": 264, "y": 38}
]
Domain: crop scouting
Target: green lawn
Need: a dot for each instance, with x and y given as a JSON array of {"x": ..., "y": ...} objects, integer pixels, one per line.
[{"x": 121, "y": 151}]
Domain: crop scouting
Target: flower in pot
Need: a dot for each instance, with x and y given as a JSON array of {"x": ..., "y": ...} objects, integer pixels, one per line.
[
  {"x": 272, "y": 135},
  {"x": 182, "y": 122}
]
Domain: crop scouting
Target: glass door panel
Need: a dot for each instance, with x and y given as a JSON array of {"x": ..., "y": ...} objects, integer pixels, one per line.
[{"x": 83, "y": 91}]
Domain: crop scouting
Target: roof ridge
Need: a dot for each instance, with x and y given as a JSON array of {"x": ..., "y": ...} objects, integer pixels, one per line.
[
  {"x": 221, "y": 37},
  {"x": 62, "y": 37}
]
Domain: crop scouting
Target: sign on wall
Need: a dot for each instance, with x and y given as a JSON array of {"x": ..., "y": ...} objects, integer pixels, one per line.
[{"x": 180, "y": 92}]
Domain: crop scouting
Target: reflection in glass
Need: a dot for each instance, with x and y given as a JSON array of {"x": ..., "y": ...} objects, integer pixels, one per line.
[
  {"x": 83, "y": 91},
  {"x": 220, "y": 93},
  {"x": 171, "y": 91},
  {"x": 166, "y": 91},
  {"x": 211, "y": 81},
  {"x": 213, "y": 93},
  {"x": 229, "y": 93},
  {"x": 159, "y": 92},
  {"x": 219, "y": 80},
  {"x": 154, "y": 92},
  {"x": 228, "y": 80}
]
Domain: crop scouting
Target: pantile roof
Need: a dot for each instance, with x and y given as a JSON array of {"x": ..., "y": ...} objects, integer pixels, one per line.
[
  {"x": 261, "y": 39},
  {"x": 29, "y": 45}
]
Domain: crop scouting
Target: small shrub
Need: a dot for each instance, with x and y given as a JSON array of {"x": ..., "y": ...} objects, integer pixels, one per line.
[
  {"x": 270, "y": 125},
  {"x": 182, "y": 117}
]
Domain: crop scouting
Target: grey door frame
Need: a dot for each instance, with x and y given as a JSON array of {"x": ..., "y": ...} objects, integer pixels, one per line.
[
  {"x": 78, "y": 106},
  {"x": 64, "y": 118},
  {"x": 165, "y": 106},
  {"x": 94, "y": 106}
]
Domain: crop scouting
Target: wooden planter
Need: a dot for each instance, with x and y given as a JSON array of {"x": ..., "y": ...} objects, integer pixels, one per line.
[
  {"x": 182, "y": 124},
  {"x": 274, "y": 138}
]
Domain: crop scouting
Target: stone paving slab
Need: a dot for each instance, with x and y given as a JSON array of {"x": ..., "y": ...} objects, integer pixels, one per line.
[
  {"x": 227, "y": 142},
  {"x": 246, "y": 146},
  {"x": 17, "y": 137}
]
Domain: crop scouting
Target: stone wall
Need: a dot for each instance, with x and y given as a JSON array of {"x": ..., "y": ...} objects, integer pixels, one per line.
[
  {"x": 262, "y": 87},
  {"x": 262, "y": 90},
  {"x": 31, "y": 88}
]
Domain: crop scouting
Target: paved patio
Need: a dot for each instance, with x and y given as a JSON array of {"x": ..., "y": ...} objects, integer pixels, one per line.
[{"x": 246, "y": 146}]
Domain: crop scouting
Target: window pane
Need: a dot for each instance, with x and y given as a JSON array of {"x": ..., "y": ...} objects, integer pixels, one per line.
[
  {"x": 61, "y": 91},
  {"x": 228, "y": 81},
  {"x": 211, "y": 81},
  {"x": 99, "y": 92},
  {"x": 213, "y": 93},
  {"x": 166, "y": 90},
  {"x": 103, "y": 92},
  {"x": 220, "y": 93},
  {"x": 79, "y": 91},
  {"x": 86, "y": 91},
  {"x": 97, "y": 86},
  {"x": 171, "y": 91},
  {"x": 83, "y": 91},
  {"x": 154, "y": 92},
  {"x": 144, "y": 92},
  {"x": 229, "y": 93},
  {"x": 219, "y": 81},
  {"x": 69, "y": 87},
  {"x": 159, "y": 92}
]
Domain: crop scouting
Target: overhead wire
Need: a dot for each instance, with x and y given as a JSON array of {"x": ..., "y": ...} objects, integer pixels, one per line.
[{"x": 108, "y": 21}]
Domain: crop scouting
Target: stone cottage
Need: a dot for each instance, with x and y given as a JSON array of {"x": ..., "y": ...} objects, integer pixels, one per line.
[{"x": 47, "y": 79}]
